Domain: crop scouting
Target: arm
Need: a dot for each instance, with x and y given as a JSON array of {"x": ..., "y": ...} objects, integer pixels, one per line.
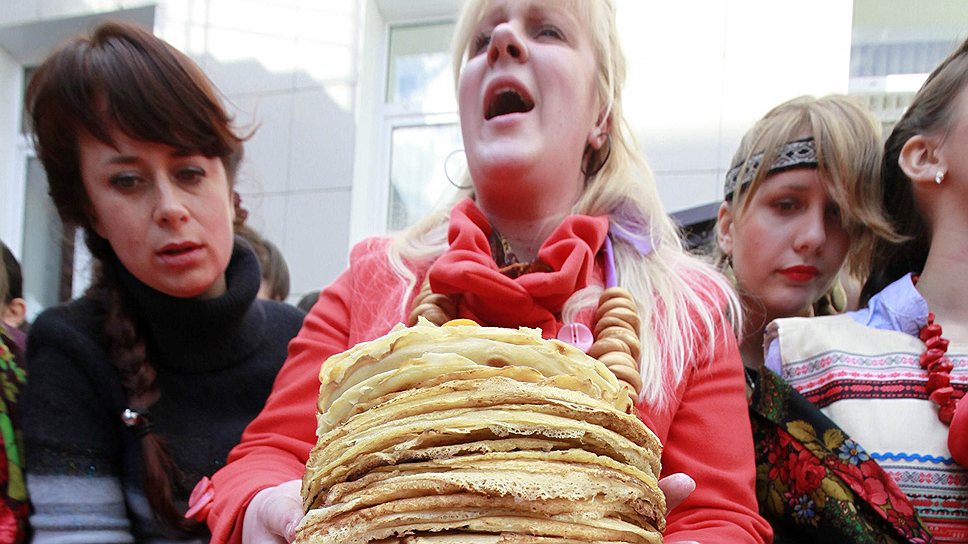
[
  {"x": 276, "y": 445},
  {"x": 709, "y": 438},
  {"x": 73, "y": 435}
]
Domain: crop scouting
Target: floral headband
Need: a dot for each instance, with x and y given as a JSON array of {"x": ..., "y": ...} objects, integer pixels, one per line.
[{"x": 793, "y": 154}]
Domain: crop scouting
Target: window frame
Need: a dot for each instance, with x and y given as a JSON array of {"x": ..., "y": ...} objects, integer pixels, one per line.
[{"x": 376, "y": 119}]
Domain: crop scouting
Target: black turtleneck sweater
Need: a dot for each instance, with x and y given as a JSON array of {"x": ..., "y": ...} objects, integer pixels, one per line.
[{"x": 215, "y": 359}]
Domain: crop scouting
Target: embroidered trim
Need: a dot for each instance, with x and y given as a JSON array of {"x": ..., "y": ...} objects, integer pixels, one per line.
[{"x": 793, "y": 154}]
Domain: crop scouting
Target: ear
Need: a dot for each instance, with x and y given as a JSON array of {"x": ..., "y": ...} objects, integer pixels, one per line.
[
  {"x": 15, "y": 313},
  {"x": 920, "y": 160},
  {"x": 724, "y": 228},
  {"x": 600, "y": 132}
]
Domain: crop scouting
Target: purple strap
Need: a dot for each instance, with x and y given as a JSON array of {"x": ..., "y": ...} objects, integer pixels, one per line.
[{"x": 642, "y": 243}]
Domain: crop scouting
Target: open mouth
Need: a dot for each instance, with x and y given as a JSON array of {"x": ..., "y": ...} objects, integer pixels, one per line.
[
  {"x": 507, "y": 100},
  {"x": 175, "y": 250}
]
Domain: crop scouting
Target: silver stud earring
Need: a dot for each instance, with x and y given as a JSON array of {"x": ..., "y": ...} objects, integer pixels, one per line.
[{"x": 939, "y": 177}]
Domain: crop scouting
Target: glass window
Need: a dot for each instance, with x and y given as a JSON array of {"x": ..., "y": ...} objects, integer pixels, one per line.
[
  {"x": 421, "y": 159},
  {"x": 47, "y": 259},
  {"x": 420, "y": 122},
  {"x": 28, "y": 73},
  {"x": 419, "y": 75},
  {"x": 893, "y": 49}
]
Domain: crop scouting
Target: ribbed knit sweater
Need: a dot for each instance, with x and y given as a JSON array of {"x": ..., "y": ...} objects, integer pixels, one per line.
[{"x": 216, "y": 360}]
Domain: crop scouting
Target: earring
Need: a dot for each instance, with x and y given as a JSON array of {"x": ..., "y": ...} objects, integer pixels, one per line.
[
  {"x": 591, "y": 153},
  {"x": 939, "y": 177},
  {"x": 447, "y": 173}
]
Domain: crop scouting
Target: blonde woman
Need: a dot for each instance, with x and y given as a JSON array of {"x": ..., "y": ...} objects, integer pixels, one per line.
[
  {"x": 803, "y": 197},
  {"x": 559, "y": 205},
  {"x": 888, "y": 382}
]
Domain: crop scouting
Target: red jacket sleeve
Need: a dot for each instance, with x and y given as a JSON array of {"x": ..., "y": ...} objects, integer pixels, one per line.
[
  {"x": 707, "y": 435},
  {"x": 276, "y": 445}
]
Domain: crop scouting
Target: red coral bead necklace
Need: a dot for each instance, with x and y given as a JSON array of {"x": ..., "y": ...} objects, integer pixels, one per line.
[{"x": 939, "y": 367}]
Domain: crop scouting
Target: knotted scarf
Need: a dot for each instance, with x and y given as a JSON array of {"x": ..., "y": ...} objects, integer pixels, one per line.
[{"x": 533, "y": 299}]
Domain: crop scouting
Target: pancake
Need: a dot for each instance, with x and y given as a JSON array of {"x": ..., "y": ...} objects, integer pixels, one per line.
[{"x": 477, "y": 435}]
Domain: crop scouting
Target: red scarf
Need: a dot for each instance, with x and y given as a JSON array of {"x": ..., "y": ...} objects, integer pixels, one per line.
[{"x": 531, "y": 300}]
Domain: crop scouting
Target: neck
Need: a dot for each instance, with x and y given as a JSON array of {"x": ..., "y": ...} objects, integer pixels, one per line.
[
  {"x": 527, "y": 224},
  {"x": 755, "y": 320},
  {"x": 525, "y": 235},
  {"x": 943, "y": 287}
]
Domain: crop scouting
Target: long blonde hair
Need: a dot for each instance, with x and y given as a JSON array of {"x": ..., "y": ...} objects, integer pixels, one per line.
[
  {"x": 847, "y": 138},
  {"x": 680, "y": 299}
]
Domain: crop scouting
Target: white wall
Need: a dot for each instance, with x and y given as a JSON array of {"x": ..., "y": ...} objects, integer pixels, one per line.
[
  {"x": 288, "y": 69},
  {"x": 304, "y": 73},
  {"x": 702, "y": 72}
]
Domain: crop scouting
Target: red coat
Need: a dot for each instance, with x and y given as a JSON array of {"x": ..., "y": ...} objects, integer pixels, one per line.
[{"x": 706, "y": 432}]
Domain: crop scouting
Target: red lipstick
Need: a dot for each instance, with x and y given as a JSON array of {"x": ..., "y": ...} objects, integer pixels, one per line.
[{"x": 800, "y": 273}]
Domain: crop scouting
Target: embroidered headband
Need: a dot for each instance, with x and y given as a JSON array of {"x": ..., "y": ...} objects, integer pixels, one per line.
[{"x": 793, "y": 154}]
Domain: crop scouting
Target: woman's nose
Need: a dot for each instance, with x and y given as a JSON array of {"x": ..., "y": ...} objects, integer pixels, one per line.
[
  {"x": 169, "y": 207},
  {"x": 506, "y": 42},
  {"x": 812, "y": 232}
]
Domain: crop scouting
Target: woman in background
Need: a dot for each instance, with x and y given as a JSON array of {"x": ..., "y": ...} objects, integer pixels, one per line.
[
  {"x": 801, "y": 198},
  {"x": 140, "y": 388},
  {"x": 889, "y": 380}
]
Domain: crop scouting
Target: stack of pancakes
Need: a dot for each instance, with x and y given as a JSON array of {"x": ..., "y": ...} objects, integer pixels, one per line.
[{"x": 467, "y": 434}]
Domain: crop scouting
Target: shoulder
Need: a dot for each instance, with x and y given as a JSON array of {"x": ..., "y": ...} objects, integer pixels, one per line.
[
  {"x": 805, "y": 338},
  {"x": 79, "y": 320},
  {"x": 281, "y": 314},
  {"x": 710, "y": 286},
  {"x": 370, "y": 249},
  {"x": 826, "y": 325},
  {"x": 65, "y": 350}
]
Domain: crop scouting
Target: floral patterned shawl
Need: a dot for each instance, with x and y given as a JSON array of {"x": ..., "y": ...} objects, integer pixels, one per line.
[
  {"x": 813, "y": 483},
  {"x": 14, "y": 507}
]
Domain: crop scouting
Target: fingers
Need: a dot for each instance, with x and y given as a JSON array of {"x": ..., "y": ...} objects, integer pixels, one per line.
[
  {"x": 676, "y": 488},
  {"x": 273, "y": 514}
]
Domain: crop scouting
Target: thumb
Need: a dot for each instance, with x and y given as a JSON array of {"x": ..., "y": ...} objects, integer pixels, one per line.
[
  {"x": 676, "y": 488},
  {"x": 273, "y": 515},
  {"x": 285, "y": 510}
]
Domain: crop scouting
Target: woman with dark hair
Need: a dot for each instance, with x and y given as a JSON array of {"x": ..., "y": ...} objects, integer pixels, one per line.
[
  {"x": 889, "y": 380},
  {"x": 139, "y": 389}
]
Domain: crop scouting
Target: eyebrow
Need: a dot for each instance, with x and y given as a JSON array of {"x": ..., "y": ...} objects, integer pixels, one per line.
[
  {"x": 122, "y": 159},
  {"x": 132, "y": 159}
]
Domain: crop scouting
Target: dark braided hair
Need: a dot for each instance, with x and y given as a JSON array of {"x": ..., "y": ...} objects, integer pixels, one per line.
[
  {"x": 931, "y": 112},
  {"x": 123, "y": 77}
]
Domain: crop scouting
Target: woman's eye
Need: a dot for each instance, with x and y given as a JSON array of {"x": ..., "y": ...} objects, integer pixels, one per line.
[
  {"x": 124, "y": 181},
  {"x": 480, "y": 42},
  {"x": 832, "y": 210},
  {"x": 785, "y": 205},
  {"x": 190, "y": 175},
  {"x": 550, "y": 32}
]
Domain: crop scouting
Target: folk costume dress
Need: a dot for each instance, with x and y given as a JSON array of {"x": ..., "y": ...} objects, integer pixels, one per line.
[
  {"x": 215, "y": 361},
  {"x": 14, "y": 504},
  {"x": 850, "y": 448},
  {"x": 702, "y": 431}
]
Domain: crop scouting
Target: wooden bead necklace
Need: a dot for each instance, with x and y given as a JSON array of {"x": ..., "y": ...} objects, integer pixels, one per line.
[{"x": 939, "y": 368}]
